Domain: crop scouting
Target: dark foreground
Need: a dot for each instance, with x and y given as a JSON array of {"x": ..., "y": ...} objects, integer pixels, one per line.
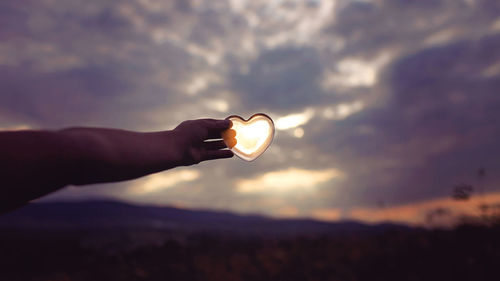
[{"x": 466, "y": 253}]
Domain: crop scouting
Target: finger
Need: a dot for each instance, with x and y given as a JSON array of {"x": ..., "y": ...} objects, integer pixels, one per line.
[
  {"x": 214, "y": 135},
  {"x": 214, "y": 145},
  {"x": 227, "y": 134},
  {"x": 230, "y": 143},
  {"x": 217, "y": 125},
  {"x": 218, "y": 154},
  {"x": 214, "y": 127}
]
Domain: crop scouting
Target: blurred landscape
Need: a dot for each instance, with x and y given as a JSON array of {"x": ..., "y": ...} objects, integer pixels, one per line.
[
  {"x": 383, "y": 109},
  {"x": 107, "y": 240}
]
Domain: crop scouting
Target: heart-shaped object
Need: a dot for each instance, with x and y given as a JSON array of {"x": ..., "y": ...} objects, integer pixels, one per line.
[{"x": 253, "y": 136}]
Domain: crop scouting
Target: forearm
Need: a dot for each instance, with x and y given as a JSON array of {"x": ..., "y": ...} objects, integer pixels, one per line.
[
  {"x": 31, "y": 164},
  {"x": 34, "y": 163},
  {"x": 99, "y": 155}
]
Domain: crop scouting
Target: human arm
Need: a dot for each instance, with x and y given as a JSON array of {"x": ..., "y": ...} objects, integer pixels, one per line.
[{"x": 35, "y": 163}]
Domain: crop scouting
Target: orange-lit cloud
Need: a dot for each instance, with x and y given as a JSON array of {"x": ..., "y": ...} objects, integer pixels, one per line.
[
  {"x": 287, "y": 212},
  {"x": 326, "y": 214},
  {"x": 15, "y": 128},
  {"x": 416, "y": 213}
]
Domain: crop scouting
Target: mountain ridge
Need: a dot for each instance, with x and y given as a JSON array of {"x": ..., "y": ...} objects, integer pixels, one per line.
[{"x": 108, "y": 215}]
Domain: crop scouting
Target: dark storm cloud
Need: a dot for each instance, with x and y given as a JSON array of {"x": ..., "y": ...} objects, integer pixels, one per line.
[
  {"x": 448, "y": 88},
  {"x": 437, "y": 129}
]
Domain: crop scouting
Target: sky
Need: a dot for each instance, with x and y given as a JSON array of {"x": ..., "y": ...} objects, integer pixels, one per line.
[{"x": 380, "y": 106}]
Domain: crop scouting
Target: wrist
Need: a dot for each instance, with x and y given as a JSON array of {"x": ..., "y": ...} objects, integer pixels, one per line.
[{"x": 171, "y": 148}]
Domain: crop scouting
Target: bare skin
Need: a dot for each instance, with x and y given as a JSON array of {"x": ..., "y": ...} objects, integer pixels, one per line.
[{"x": 35, "y": 163}]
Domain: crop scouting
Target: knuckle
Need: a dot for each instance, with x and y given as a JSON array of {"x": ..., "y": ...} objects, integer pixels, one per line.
[{"x": 195, "y": 155}]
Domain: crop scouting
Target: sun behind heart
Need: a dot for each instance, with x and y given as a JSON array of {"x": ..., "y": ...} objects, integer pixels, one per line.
[{"x": 253, "y": 136}]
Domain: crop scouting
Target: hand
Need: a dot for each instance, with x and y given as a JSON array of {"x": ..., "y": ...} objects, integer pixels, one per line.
[{"x": 192, "y": 140}]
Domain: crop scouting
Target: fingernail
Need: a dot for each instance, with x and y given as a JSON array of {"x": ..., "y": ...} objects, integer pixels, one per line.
[{"x": 224, "y": 123}]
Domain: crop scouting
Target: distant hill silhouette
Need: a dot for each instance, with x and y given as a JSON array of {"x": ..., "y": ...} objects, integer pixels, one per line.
[{"x": 114, "y": 215}]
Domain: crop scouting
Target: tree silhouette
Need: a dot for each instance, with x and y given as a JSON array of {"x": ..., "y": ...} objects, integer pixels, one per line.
[{"x": 462, "y": 192}]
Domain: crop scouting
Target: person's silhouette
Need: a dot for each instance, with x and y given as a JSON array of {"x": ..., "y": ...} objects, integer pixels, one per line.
[{"x": 35, "y": 163}]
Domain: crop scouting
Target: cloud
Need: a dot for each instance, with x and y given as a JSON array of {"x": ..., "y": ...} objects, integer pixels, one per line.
[
  {"x": 287, "y": 212},
  {"x": 291, "y": 180},
  {"x": 294, "y": 120},
  {"x": 353, "y": 72},
  {"x": 398, "y": 95},
  {"x": 219, "y": 105},
  {"x": 417, "y": 213},
  {"x": 328, "y": 214},
  {"x": 59, "y": 98},
  {"x": 263, "y": 86},
  {"x": 161, "y": 181},
  {"x": 423, "y": 136},
  {"x": 342, "y": 110},
  {"x": 15, "y": 128}
]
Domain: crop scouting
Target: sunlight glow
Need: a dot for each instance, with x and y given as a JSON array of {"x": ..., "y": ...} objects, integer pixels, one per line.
[
  {"x": 298, "y": 133},
  {"x": 163, "y": 181},
  {"x": 294, "y": 120},
  {"x": 291, "y": 180},
  {"x": 254, "y": 136}
]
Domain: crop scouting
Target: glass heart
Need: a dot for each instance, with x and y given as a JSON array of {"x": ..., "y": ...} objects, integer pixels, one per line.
[{"x": 253, "y": 136}]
